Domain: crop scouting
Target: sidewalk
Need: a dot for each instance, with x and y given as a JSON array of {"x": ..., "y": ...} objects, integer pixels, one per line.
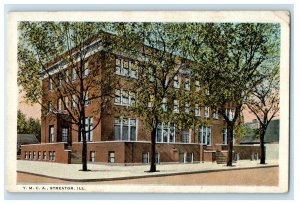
[{"x": 100, "y": 172}]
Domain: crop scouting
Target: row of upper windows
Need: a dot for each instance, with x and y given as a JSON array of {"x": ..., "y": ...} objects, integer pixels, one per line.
[{"x": 67, "y": 78}]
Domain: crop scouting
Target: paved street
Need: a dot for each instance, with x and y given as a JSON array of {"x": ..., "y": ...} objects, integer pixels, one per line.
[
  {"x": 259, "y": 177},
  {"x": 100, "y": 172}
]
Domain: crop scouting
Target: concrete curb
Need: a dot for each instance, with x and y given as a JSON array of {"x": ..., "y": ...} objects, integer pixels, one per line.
[{"x": 149, "y": 175}]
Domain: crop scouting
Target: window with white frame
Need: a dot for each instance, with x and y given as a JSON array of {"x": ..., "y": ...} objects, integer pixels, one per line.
[
  {"x": 53, "y": 156},
  {"x": 51, "y": 133},
  {"x": 50, "y": 107},
  {"x": 145, "y": 158},
  {"x": 224, "y": 133},
  {"x": 176, "y": 106},
  {"x": 34, "y": 155},
  {"x": 176, "y": 82},
  {"x": 205, "y": 135},
  {"x": 64, "y": 134},
  {"x": 88, "y": 129},
  {"x": 185, "y": 137},
  {"x": 66, "y": 102},
  {"x": 126, "y": 68},
  {"x": 206, "y": 112},
  {"x": 26, "y": 155},
  {"x": 86, "y": 69},
  {"x": 50, "y": 156},
  {"x": 45, "y": 155},
  {"x": 59, "y": 105},
  {"x": 164, "y": 105},
  {"x": 187, "y": 108},
  {"x": 39, "y": 155},
  {"x": 59, "y": 79},
  {"x": 187, "y": 85},
  {"x": 157, "y": 158},
  {"x": 67, "y": 76},
  {"x": 86, "y": 99},
  {"x": 197, "y": 110},
  {"x": 125, "y": 129},
  {"x": 165, "y": 133},
  {"x": 197, "y": 86},
  {"x": 30, "y": 155},
  {"x": 92, "y": 156},
  {"x": 123, "y": 97},
  {"x": 74, "y": 103},
  {"x": 74, "y": 74},
  {"x": 50, "y": 84},
  {"x": 151, "y": 101},
  {"x": 111, "y": 157},
  {"x": 216, "y": 114}
]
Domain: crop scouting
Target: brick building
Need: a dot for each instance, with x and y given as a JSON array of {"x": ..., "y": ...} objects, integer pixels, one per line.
[{"x": 122, "y": 138}]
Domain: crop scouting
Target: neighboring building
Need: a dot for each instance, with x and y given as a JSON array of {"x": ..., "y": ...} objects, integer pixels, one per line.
[
  {"x": 271, "y": 139},
  {"x": 124, "y": 139},
  {"x": 25, "y": 139}
]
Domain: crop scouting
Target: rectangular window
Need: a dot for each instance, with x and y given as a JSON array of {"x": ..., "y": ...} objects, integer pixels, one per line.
[
  {"x": 89, "y": 129},
  {"x": 118, "y": 66},
  {"x": 189, "y": 157},
  {"x": 187, "y": 108},
  {"x": 133, "y": 70},
  {"x": 216, "y": 114},
  {"x": 64, "y": 132},
  {"x": 157, "y": 158},
  {"x": 125, "y": 69},
  {"x": 53, "y": 157},
  {"x": 86, "y": 99},
  {"x": 59, "y": 105},
  {"x": 176, "y": 106},
  {"x": 86, "y": 69},
  {"x": 34, "y": 155},
  {"x": 176, "y": 82},
  {"x": 50, "y": 156},
  {"x": 74, "y": 74},
  {"x": 125, "y": 129},
  {"x": 205, "y": 135},
  {"x": 66, "y": 102},
  {"x": 92, "y": 156},
  {"x": 197, "y": 110},
  {"x": 67, "y": 76},
  {"x": 206, "y": 112},
  {"x": 181, "y": 157},
  {"x": 50, "y": 84},
  {"x": 185, "y": 137},
  {"x": 145, "y": 158},
  {"x": 40, "y": 155},
  {"x": 165, "y": 133},
  {"x": 50, "y": 107},
  {"x": 224, "y": 132},
  {"x": 51, "y": 133},
  {"x": 45, "y": 155},
  {"x": 26, "y": 155},
  {"x": 164, "y": 105},
  {"x": 59, "y": 79},
  {"x": 30, "y": 155},
  {"x": 197, "y": 86},
  {"x": 187, "y": 85},
  {"x": 123, "y": 97},
  {"x": 111, "y": 157}
]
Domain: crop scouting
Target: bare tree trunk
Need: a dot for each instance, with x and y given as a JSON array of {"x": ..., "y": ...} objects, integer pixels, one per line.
[
  {"x": 153, "y": 144},
  {"x": 230, "y": 143},
  {"x": 262, "y": 146}
]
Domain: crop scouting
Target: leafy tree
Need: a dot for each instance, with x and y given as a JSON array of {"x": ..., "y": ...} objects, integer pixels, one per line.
[
  {"x": 161, "y": 52},
  {"x": 264, "y": 104},
  {"x": 233, "y": 55},
  {"x": 28, "y": 126},
  {"x": 79, "y": 81}
]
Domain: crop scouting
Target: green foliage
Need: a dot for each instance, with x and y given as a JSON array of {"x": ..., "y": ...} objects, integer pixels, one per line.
[{"x": 28, "y": 125}]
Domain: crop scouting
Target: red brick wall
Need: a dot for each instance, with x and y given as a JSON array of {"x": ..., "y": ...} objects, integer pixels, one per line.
[
  {"x": 245, "y": 151},
  {"x": 62, "y": 155}
]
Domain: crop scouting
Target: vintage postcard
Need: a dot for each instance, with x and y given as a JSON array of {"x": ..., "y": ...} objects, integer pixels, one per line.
[{"x": 156, "y": 101}]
